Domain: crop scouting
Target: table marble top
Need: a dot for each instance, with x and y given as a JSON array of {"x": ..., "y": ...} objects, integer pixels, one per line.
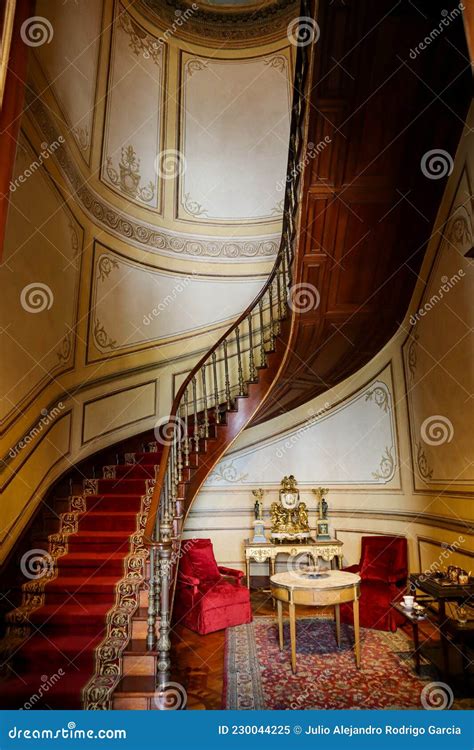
[{"x": 329, "y": 579}]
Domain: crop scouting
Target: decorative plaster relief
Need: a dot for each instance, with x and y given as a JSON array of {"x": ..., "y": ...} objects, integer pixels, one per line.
[
  {"x": 438, "y": 360},
  {"x": 39, "y": 281},
  {"x": 135, "y": 304},
  {"x": 132, "y": 131},
  {"x": 141, "y": 234},
  {"x": 235, "y": 117},
  {"x": 352, "y": 443},
  {"x": 70, "y": 60}
]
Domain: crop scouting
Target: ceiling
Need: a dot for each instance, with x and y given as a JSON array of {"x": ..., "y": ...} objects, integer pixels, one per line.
[{"x": 216, "y": 21}]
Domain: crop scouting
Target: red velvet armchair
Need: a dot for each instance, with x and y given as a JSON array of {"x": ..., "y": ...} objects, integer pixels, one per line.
[
  {"x": 209, "y": 597},
  {"x": 383, "y": 569}
]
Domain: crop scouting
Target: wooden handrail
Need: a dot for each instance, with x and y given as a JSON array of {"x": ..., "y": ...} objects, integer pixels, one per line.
[{"x": 292, "y": 183}]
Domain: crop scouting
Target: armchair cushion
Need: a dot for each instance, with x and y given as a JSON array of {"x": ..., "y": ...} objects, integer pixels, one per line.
[{"x": 199, "y": 561}]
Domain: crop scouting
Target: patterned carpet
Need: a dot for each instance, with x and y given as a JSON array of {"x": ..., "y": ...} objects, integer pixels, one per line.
[{"x": 258, "y": 675}]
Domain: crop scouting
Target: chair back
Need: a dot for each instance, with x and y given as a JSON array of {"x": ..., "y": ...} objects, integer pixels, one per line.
[
  {"x": 197, "y": 560},
  {"x": 383, "y": 557}
]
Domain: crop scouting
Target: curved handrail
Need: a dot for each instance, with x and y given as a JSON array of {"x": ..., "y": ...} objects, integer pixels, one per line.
[{"x": 285, "y": 255}]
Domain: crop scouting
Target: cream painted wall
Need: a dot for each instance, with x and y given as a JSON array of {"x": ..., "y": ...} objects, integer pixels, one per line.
[
  {"x": 107, "y": 295},
  {"x": 398, "y": 462},
  {"x": 184, "y": 148}
]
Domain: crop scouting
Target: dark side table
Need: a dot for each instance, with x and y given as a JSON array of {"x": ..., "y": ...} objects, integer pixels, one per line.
[{"x": 443, "y": 593}]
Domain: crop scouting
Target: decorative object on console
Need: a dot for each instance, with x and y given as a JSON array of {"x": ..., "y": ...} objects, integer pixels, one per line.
[
  {"x": 289, "y": 515},
  {"x": 383, "y": 569},
  {"x": 322, "y": 525},
  {"x": 258, "y": 525},
  {"x": 206, "y": 600}
]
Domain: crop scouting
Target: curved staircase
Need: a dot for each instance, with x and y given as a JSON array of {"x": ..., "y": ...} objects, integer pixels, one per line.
[{"x": 100, "y": 602}]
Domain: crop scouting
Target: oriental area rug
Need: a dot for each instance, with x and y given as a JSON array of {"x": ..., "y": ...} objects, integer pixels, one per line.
[{"x": 259, "y": 676}]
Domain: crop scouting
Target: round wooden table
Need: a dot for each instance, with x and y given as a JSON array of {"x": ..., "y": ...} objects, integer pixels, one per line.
[{"x": 332, "y": 588}]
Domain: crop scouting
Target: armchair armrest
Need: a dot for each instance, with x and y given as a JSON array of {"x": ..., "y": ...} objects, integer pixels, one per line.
[{"x": 232, "y": 572}]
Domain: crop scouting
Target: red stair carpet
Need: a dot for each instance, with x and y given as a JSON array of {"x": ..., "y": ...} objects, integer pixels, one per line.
[{"x": 54, "y": 663}]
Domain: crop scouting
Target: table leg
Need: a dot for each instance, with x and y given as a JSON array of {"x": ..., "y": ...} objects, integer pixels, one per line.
[
  {"x": 337, "y": 614},
  {"x": 272, "y": 563},
  {"x": 293, "y": 636},
  {"x": 247, "y": 571},
  {"x": 356, "y": 633},
  {"x": 416, "y": 642},
  {"x": 443, "y": 638},
  {"x": 280, "y": 623}
]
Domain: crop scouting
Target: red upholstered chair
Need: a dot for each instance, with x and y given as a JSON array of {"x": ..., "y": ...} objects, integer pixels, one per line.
[
  {"x": 209, "y": 597},
  {"x": 383, "y": 569}
]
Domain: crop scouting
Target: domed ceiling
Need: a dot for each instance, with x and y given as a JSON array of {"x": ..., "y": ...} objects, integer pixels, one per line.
[{"x": 236, "y": 23}]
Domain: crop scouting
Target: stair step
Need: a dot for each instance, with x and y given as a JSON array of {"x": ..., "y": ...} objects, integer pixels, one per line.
[
  {"x": 121, "y": 486},
  {"x": 135, "y": 471},
  {"x": 71, "y": 618},
  {"x": 147, "y": 458},
  {"x": 96, "y": 588},
  {"x": 95, "y": 541},
  {"x": 116, "y": 521},
  {"x": 114, "y": 503}
]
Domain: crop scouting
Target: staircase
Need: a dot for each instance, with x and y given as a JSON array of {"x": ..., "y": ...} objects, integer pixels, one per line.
[{"x": 109, "y": 573}]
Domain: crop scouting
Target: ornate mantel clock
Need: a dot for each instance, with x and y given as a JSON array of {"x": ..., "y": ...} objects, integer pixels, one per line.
[{"x": 289, "y": 515}]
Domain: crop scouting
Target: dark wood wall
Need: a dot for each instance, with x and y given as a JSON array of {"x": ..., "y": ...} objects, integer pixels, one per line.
[{"x": 368, "y": 209}]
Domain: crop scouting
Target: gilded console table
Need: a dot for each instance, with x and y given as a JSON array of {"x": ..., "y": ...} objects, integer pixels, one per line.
[{"x": 330, "y": 551}]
